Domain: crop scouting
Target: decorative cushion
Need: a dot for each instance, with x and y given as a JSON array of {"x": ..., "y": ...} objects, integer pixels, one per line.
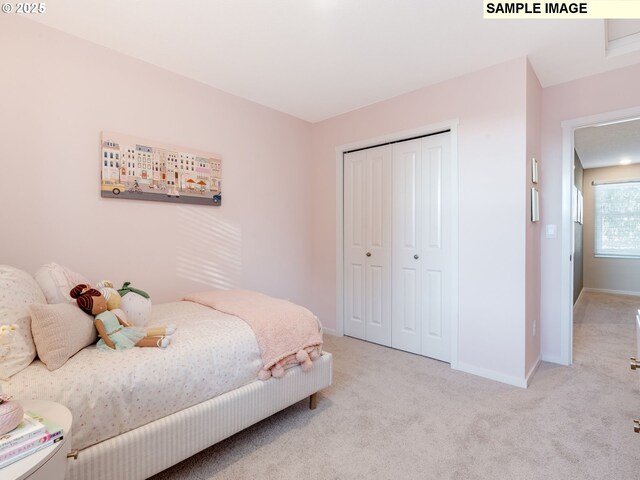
[
  {"x": 18, "y": 290},
  {"x": 57, "y": 281},
  {"x": 60, "y": 331},
  {"x": 137, "y": 309},
  {"x": 136, "y": 305}
]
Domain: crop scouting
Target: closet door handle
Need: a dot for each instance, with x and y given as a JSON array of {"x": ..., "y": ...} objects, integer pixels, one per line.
[
  {"x": 634, "y": 363},
  {"x": 368, "y": 254},
  {"x": 416, "y": 256}
]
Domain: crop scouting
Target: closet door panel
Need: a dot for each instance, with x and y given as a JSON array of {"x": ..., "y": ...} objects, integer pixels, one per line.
[
  {"x": 378, "y": 228},
  {"x": 367, "y": 245},
  {"x": 407, "y": 282},
  {"x": 354, "y": 244},
  {"x": 436, "y": 248}
]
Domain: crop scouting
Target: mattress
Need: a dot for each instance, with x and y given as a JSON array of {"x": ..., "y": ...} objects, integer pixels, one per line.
[{"x": 110, "y": 393}]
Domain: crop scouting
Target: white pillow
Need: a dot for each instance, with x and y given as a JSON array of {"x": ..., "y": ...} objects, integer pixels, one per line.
[
  {"x": 57, "y": 281},
  {"x": 18, "y": 290}
]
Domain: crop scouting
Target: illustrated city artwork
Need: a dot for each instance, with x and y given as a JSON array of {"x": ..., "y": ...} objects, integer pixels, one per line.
[{"x": 142, "y": 170}]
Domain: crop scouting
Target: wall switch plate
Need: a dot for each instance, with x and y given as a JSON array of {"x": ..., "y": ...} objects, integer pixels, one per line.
[{"x": 551, "y": 231}]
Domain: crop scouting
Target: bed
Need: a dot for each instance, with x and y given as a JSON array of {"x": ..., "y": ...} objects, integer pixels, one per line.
[{"x": 138, "y": 412}]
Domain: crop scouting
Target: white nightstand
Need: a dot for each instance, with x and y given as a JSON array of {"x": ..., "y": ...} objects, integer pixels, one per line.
[{"x": 49, "y": 463}]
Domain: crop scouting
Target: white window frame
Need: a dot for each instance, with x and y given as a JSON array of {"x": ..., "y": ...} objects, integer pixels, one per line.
[{"x": 599, "y": 251}]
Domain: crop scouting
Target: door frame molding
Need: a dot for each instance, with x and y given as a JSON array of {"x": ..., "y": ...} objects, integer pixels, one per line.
[
  {"x": 452, "y": 126},
  {"x": 566, "y": 265}
]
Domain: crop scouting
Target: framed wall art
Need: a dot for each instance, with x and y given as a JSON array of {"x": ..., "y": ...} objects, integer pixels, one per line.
[
  {"x": 535, "y": 206},
  {"x": 580, "y": 208},
  {"x": 137, "y": 169}
]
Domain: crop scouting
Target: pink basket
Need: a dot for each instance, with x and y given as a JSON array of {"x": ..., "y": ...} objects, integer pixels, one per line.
[{"x": 11, "y": 415}]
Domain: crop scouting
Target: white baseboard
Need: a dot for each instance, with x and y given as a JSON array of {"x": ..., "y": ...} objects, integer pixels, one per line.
[
  {"x": 615, "y": 292},
  {"x": 579, "y": 297},
  {"x": 491, "y": 374},
  {"x": 330, "y": 331},
  {"x": 533, "y": 370},
  {"x": 552, "y": 359}
]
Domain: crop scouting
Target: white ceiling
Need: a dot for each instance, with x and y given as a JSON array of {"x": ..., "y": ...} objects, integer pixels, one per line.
[
  {"x": 315, "y": 59},
  {"x": 607, "y": 145}
]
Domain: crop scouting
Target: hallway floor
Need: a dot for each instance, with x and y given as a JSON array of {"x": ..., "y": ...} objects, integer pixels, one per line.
[{"x": 604, "y": 325}]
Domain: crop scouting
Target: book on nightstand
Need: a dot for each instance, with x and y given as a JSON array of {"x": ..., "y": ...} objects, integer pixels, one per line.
[
  {"x": 28, "y": 428},
  {"x": 49, "y": 434}
]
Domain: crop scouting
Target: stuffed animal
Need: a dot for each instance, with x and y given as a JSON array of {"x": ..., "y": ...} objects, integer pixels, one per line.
[
  {"x": 111, "y": 295},
  {"x": 136, "y": 304},
  {"x": 115, "y": 332},
  {"x": 114, "y": 300},
  {"x": 8, "y": 336},
  {"x": 13, "y": 350},
  {"x": 8, "y": 333}
]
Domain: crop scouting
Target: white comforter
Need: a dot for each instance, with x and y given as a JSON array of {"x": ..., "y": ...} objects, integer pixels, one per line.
[{"x": 110, "y": 393}]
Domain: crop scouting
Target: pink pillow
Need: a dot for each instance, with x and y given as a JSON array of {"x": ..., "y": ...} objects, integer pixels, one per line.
[{"x": 60, "y": 331}]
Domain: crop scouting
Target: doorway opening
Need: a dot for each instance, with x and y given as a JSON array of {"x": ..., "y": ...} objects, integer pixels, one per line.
[{"x": 571, "y": 213}]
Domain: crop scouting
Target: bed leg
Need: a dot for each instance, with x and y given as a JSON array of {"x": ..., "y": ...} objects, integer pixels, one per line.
[{"x": 313, "y": 401}]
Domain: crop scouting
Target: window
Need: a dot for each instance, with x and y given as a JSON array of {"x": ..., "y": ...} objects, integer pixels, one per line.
[{"x": 617, "y": 219}]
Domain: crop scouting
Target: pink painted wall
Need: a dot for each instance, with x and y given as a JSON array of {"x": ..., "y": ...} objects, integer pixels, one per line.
[
  {"x": 276, "y": 231},
  {"x": 491, "y": 108},
  {"x": 592, "y": 95},
  {"x": 532, "y": 285},
  {"x": 57, "y": 93}
]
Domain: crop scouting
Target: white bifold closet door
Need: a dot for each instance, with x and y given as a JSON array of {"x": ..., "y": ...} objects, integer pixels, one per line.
[
  {"x": 397, "y": 245},
  {"x": 367, "y": 244},
  {"x": 421, "y": 244}
]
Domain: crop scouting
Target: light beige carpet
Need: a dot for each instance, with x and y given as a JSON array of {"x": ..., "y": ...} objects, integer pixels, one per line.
[{"x": 393, "y": 415}]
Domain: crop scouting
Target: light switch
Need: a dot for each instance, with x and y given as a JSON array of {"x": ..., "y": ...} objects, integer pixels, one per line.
[{"x": 552, "y": 231}]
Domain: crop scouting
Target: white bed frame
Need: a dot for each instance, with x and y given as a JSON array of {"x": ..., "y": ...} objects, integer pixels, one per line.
[{"x": 147, "y": 450}]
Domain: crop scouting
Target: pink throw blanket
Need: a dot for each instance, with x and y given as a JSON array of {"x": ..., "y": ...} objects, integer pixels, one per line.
[{"x": 287, "y": 334}]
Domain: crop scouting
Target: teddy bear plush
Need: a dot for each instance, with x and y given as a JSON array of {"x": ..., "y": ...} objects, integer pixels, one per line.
[{"x": 114, "y": 330}]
